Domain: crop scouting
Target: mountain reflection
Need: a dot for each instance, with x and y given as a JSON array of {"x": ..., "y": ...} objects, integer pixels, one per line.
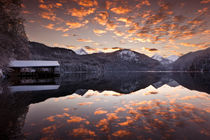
[{"x": 146, "y": 116}]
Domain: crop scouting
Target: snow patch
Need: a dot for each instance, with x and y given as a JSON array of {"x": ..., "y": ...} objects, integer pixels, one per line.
[
  {"x": 128, "y": 55},
  {"x": 167, "y": 60},
  {"x": 81, "y": 52},
  {"x": 173, "y": 58}
]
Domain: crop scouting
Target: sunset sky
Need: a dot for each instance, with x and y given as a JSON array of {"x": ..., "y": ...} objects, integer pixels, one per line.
[{"x": 164, "y": 27}]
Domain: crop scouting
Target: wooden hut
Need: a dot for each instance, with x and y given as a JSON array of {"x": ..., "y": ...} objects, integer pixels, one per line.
[{"x": 34, "y": 68}]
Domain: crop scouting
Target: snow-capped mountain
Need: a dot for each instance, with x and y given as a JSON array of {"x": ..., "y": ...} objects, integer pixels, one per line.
[
  {"x": 128, "y": 55},
  {"x": 161, "y": 59},
  {"x": 173, "y": 58},
  {"x": 165, "y": 61},
  {"x": 81, "y": 52}
]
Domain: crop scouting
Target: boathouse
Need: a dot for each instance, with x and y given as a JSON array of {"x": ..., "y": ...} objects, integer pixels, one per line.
[{"x": 34, "y": 68}]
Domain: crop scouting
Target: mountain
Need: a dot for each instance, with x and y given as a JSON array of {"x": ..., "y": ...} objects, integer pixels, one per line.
[
  {"x": 162, "y": 60},
  {"x": 193, "y": 61},
  {"x": 127, "y": 60},
  {"x": 173, "y": 58},
  {"x": 122, "y": 60},
  {"x": 165, "y": 61},
  {"x": 81, "y": 52}
]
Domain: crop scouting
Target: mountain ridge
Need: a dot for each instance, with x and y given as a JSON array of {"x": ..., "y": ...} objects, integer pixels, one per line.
[{"x": 121, "y": 60}]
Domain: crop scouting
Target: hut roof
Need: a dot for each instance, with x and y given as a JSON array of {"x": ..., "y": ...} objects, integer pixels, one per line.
[{"x": 33, "y": 63}]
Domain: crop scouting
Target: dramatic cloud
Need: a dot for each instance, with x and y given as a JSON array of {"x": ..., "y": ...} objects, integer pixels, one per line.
[
  {"x": 49, "y": 26},
  {"x": 120, "y": 10},
  {"x": 99, "y": 112},
  {"x": 49, "y": 15},
  {"x": 81, "y": 12},
  {"x": 142, "y": 3},
  {"x": 111, "y": 25},
  {"x": 99, "y": 32},
  {"x": 102, "y": 17},
  {"x": 87, "y": 3},
  {"x": 82, "y": 131},
  {"x": 74, "y": 25},
  {"x": 134, "y": 23}
]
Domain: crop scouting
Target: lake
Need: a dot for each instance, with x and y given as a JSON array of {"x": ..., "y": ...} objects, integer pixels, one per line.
[{"x": 112, "y": 105}]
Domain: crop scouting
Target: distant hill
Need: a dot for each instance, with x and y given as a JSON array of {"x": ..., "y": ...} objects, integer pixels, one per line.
[
  {"x": 193, "y": 61},
  {"x": 165, "y": 61}
]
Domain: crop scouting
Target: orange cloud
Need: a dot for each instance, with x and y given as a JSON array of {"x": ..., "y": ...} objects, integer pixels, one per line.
[
  {"x": 120, "y": 10},
  {"x": 49, "y": 26},
  {"x": 102, "y": 17},
  {"x": 121, "y": 133},
  {"x": 111, "y": 25},
  {"x": 142, "y": 3},
  {"x": 140, "y": 39},
  {"x": 75, "y": 119},
  {"x": 72, "y": 47},
  {"x": 205, "y": 1},
  {"x": 99, "y": 112},
  {"x": 84, "y": 40},
  {"x": 118, "y": 33},
  {"x": 108, "y": 4},
  {"x": 82, "y": 131},
  {"x": 87, "y": 3},
  {"x": 120, "y": 109},
  {"x": 112, "y": 116},
  {"x": 51, "y": 118},
  {"x": 49, "y": 129},
  {"x": 74, "y": 25},
  {"x": 41, "y": 1},
  {"x": 26, "y": 12},
  {"x": 61, "y": 29},
  {"x": 66, "y": 109},
  {"x": 99, "y": 32},
  {"x": 126, "y": 123},
  {"x": 86, "y": 103},
  {"x": 202, "y": 11},
  {"x": 48, "y": 15},
  {"x": 50, "y": 7},
  {"x": 127, "y": 21},
  {"x": 46, "y": 7},
  {"x": 104, "y": 124},
  {"x": 59, "y": 4},
  {"x": 81, "y": 12},
  {"x": 65, "y": 35},
  {"x": 199, "y": 45}
]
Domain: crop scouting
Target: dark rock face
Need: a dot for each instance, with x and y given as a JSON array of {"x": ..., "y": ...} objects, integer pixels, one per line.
[
  {"x": 13, "y": 40},
  {"x": 194, "y": 61},
  {"x": 123, "y": 60}
]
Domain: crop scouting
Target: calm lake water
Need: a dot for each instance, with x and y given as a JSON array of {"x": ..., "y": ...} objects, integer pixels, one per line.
[{"x": 107, "y": 106}]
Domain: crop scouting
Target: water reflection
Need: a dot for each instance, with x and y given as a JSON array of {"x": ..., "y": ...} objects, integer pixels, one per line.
[{"x": 107, "y": 106}]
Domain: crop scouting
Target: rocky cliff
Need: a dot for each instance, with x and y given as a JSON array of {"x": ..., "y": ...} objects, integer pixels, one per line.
[{"x": 13, "y": 40}]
